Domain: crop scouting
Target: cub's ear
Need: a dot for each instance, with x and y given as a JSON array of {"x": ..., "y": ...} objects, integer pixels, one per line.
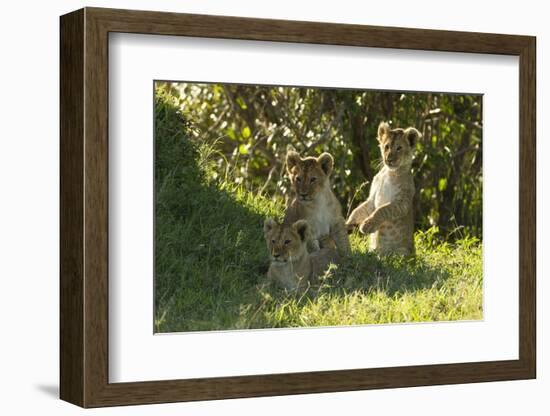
[
  {"x": 302, "y": 228},
  {"x": 412, "y": 135},
  {"x": 292, "y": 159},
  {"x": 327, "y": 163},
  {"x": 269, "y": 224},
  {"x": 383, "y": 130}
]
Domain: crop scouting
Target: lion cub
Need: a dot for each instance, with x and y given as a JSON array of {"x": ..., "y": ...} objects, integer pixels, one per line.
[
  {"x": 388, "y": 211},
  {"x": 312, "y": 199},
  {"x": 292, "y": 266}
]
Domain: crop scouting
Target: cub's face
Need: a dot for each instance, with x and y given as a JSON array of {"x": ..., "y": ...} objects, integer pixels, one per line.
[
  {"x": 285, "y": 242},
  {"x": 397, "y": 145},
  {"x": 309, "y": 175}
]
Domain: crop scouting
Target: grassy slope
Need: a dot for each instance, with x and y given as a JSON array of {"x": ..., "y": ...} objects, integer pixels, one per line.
[{"x": 211, "y": 258}]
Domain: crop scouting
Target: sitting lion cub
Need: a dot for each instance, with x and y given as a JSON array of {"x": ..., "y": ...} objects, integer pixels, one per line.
[
  {"x": 292, "y": 266},
  {"x": 312, "y": 199},
  {"x": 388, "y": 211}
]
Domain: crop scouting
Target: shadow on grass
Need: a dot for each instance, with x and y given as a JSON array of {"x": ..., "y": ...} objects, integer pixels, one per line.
[
  {"x": 209, "y": 248},
  {"x": 208, "y": 260},
  {"x": 366, "y": 272},
  {"x": 391, "y": 274}
]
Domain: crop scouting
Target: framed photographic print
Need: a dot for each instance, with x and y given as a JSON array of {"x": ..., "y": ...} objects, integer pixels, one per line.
[{"x": 256, "y": 207}]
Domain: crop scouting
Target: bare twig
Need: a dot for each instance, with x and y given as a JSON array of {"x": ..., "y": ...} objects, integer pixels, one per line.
[{"x": 269, "y": 178}]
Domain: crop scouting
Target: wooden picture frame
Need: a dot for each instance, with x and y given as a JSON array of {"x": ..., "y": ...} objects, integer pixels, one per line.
[{"x": 84, "y": 207}]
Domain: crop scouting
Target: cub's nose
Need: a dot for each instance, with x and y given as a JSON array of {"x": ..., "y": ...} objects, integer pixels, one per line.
[
  {"x": 276, "y": 255},
  {"x": 303, "y": 195}
]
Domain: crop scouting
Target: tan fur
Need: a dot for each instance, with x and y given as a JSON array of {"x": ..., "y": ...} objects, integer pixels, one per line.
[
  {"x": 312, "y": 199},
  {"x": 292, "y": 266},
  {"x": 388, "y": 211}
]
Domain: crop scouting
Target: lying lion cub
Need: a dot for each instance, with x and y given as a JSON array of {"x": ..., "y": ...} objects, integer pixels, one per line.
[
  {"x": 312, "y": 199},
  {"x": 388, "y": 211},
  {"x": 292, "y": 266}
]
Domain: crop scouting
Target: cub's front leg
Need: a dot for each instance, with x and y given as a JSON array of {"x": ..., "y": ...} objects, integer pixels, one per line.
[
  {"x": 364, "y": 210},
  {"x": 360, "y": 214},
  {"x": 370, "y": 225},
  {"x": 312, "y": 245},
  {"x": 387, "y": 212},
  {"x": 340, "y": 236}
]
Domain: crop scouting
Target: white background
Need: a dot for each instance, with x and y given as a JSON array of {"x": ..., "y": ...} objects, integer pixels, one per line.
[
  {"x": 136, "y": 355},
  {"x": 29, "y": 212}
]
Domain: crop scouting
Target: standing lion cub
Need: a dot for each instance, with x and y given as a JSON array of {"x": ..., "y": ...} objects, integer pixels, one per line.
[
  {"x": 388, "y": 211},
  {"x": 292, "y": 266},
  {"x": 312, "y": 199}
]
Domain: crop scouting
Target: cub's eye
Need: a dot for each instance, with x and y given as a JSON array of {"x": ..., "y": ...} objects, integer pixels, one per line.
[
  {"x": 272, "y": 241},
  {"x": 287, "y": 242},
  {"x": 313, "y": 180},
  {"x": 387, "y": 147},
  {"x": 298, "y": 179},
  {"x": 399, "y": 148}
]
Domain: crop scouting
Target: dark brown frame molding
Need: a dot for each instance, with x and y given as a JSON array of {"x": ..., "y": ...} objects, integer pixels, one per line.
[{"x": 84, "y": 210}]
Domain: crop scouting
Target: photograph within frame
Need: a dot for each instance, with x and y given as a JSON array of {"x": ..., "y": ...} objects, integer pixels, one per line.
[{"x": 222, "y": 174}]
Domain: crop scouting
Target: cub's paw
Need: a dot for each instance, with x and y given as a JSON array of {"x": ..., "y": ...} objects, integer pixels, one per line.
[
  {"x": 327, "y": 242},
  {"x": 313, "y": 245},
  {"x": 368, "y": 226}
]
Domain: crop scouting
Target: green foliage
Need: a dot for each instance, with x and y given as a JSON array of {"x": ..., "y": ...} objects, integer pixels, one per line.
[
  {"x": 211, "y": 260},
  {"x": 253, "y": 125}
]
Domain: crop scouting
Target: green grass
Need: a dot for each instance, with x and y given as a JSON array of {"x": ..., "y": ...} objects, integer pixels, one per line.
[{"x": 211, "y": 258}]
